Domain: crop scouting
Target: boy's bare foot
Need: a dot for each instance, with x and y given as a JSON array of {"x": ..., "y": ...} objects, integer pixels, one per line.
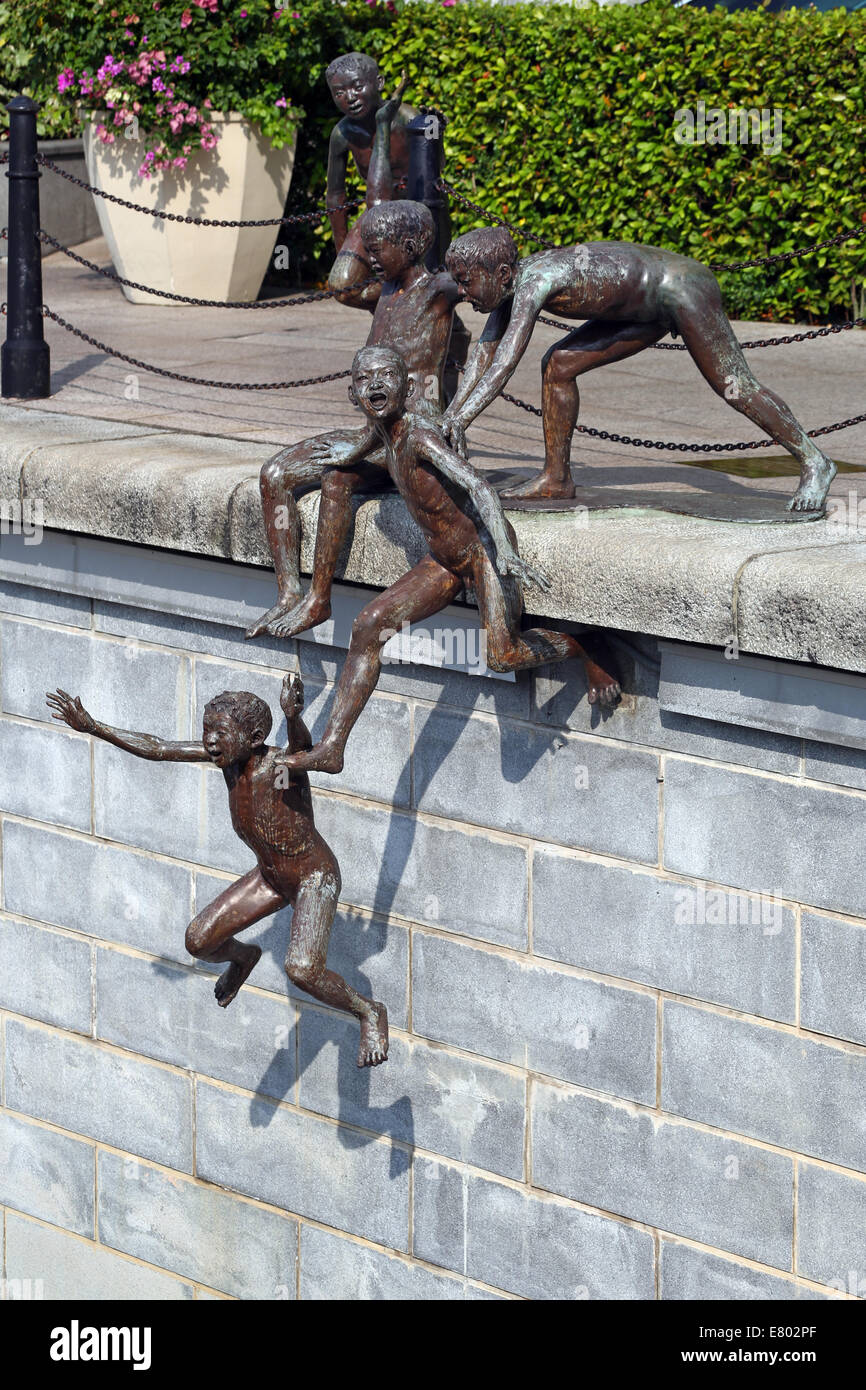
[
  {"x": 279, "y": 610},
  {"x": 309, "y": 612},
  {"x": 543, "y": 486},
  {"x": 602, "y": 689},
  {"x": 817, "y": 475},
  {"x": 322, "y": 757},
  {"x": 373, "y": 1047},
  {"x": 234, "y": 975}
]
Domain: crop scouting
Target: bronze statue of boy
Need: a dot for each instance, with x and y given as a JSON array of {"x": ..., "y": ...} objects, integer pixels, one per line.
[
  {"x": 272, "y": 812},
  {"x": 414, "y": 315},
  {"x": 631, "y": 296},
  {"x": 373, "y": 131},
  {"x": 471, "y": 544}
]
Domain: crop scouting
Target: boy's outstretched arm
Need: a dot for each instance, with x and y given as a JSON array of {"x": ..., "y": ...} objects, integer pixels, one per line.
[
  {"x": 380, "y": 179},
  {"x": 487, "y": 503},
  {"x": 525, "y": 308},
  {"x": 69, "y": 710},
  {"x": 338, "y": 159},
  {"x": 292, "y": 702}
]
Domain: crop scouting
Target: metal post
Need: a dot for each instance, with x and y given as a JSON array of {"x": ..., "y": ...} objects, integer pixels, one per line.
[
  {"x": 25, "y": 362},
  {"x": 425, "y": 167}
]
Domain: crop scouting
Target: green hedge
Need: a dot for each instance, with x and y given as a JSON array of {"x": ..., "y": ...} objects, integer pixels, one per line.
[
  {"x": 565, "y": 118},
  {"x": 561, "y": 118}
]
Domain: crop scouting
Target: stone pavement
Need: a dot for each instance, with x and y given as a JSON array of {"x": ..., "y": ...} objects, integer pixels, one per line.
[{"x": 657, "y": 395}]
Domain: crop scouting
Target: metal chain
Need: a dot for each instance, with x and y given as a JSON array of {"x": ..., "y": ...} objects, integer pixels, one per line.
[
  {"x": 791, "y": 255},
  {"x": 729, "y": 265},
  {"x": 680, "y": 448},
  {"x": 822, "y": 332},
  {"x": 180, "y": 376},
  {"x": 337, "y": 376},
  {"x": 484, "y": 212},
  {"x": 310, "y": 298},
  {"x": 293, "y": 220}
]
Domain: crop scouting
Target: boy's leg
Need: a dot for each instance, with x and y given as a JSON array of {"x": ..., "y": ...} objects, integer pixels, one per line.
[
  {"x": 335, "y": 518},
  {"x": 350, "y": 269},
  {"x": 707, "y": 333},
  {"x": 594, "y": 344},
  {"x": 210, "y": 936},
  {"x": 297, "y": 466},
  {"x": 509, "y": 649},
  {"x": 313, "y": 917},
  {"x": 426, "y": 589}
]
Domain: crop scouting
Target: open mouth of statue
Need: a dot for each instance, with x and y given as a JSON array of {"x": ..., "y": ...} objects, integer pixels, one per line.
[{"x": 377, "y": 399}]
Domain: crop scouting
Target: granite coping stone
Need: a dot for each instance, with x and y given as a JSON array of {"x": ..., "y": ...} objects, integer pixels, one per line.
[{"x": 787, "y": 591}]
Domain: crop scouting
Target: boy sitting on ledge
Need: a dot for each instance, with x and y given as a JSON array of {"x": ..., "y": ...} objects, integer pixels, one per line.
[
  {"x": 415, "y": 315},
  {"x": 471, "y": 544}
]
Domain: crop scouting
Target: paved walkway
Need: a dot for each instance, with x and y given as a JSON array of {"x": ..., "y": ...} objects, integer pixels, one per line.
[{"x": 656, "y": 395}]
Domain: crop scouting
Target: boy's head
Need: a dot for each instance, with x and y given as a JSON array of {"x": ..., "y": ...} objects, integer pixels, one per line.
[
  {"x": 396, "y": 235},
  {"x": 483, "y": 263},
  {"x": 235, "y": 724},
  {"x": 355, "y": 83},
  {"x": 380, "y": 383}
]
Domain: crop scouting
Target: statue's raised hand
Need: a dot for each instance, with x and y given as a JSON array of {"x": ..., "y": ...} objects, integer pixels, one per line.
[
  {"x": 387, "y": 111},
  {"x": 292, "y": 696},
  {"x": 70, "y": 710},
  {"x": 511, "y": 563}
]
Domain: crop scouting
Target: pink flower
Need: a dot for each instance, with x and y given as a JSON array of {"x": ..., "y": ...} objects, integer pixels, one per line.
[
  {"x": 65, "y": 79},
  {"x": 206, "y": 5},
  {"x": 186, "y": 19},
  {"x": 280, "y": 102}
]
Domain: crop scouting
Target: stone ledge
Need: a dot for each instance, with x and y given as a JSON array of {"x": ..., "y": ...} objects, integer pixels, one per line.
[{"x": 794, "y": 592}]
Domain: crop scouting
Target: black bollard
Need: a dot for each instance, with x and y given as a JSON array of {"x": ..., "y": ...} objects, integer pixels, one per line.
[
  {"x": 425, "y": 167},
  {"x": 25, "y": 361}
]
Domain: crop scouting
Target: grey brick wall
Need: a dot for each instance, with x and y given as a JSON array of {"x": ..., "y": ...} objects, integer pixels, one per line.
[{"x": 624, "y": 960}]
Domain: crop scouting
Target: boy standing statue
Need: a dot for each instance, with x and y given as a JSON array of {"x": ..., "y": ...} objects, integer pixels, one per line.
[{"x": 373, "y": 132}]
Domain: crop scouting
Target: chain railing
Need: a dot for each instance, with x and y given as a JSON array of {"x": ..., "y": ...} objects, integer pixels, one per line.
[
  {"x": 728, "y": 265},
  {"x": 289, "y": 220},
  {"x": 310, "y": 298},
  {"x": 182, "y": 376},
  {"x": 44, "y": 311}
]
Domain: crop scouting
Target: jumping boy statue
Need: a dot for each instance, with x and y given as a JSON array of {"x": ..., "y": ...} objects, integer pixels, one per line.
[{"x": 272, "y": 813}]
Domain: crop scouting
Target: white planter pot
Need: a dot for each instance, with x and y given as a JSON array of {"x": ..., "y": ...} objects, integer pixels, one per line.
[{"x": 243, "y": 178}]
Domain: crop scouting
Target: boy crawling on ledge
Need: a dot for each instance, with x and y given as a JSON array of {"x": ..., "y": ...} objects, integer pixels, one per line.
[
  {"x": 471, "y": 544},
  {"x": 272, "y": 812}
]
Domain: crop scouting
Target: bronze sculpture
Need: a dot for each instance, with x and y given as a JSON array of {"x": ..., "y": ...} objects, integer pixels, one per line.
[
  {"x": 373, "y": 132},
  {"x": 414, "y": 315},
  {"x": 471, "y": 543},
  {"x": 631, "y": 296},
  {"x": 272, "y": 813}
]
